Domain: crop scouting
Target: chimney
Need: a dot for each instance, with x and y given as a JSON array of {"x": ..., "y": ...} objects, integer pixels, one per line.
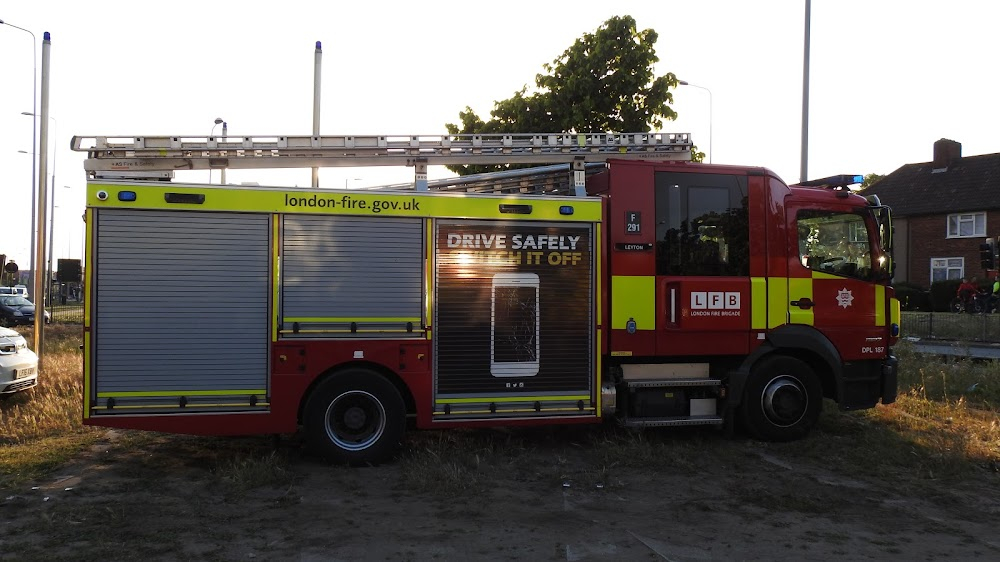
[{"x": 946, "y": 151}]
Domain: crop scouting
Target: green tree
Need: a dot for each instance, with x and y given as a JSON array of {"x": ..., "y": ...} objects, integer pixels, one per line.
[
  {"x": 869, "y": 180},
  {"x": 603, "y": 82}
]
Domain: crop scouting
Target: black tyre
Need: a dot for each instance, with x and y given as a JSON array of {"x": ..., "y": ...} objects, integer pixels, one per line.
[
  {"x": 978, "y": 306},
  {"x": 956, "y": 305},
  {"x": 783, "y": 399},
  {"x": 355, "y": 417}
]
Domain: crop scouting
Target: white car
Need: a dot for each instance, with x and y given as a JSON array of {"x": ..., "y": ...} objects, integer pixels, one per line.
[
  {"x": 15, "y": 290},
  {"x": 18, "y": 364}
]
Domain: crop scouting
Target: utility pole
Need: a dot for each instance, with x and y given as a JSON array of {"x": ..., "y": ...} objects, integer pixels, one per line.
[{"x": 803, "y": 170}]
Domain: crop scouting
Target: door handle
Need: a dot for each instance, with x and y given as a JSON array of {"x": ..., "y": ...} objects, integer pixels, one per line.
[{"x": 804, "y": 303}]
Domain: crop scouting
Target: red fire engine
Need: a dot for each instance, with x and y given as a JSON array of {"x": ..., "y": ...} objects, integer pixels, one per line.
[{"x": 632, "y": 284}]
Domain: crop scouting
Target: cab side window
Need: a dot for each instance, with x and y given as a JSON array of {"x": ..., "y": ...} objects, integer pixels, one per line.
[
  {"x": 835, "y": 243},
  {"x": 702, "y": 225}
]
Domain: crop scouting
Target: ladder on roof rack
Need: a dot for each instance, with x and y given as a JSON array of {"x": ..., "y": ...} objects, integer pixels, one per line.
[{"x": 157, "y": 157}]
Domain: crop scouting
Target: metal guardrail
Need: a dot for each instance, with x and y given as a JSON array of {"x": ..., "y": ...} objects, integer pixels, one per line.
[
  {"x": 951, "y": 326},
  {"x": 71, "y": 313}
]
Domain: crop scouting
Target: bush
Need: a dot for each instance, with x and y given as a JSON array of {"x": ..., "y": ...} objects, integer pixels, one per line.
[
  {"x": 912, "y": 296},
  {"x": 942, "y": 292}
]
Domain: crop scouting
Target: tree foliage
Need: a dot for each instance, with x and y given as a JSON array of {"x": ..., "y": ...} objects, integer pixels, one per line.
[
  {"x": 869, "y": 180},
  {"x": 603, "y": 82}
]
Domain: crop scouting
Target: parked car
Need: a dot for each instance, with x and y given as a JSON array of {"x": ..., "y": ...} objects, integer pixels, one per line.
[
  {"x": 15, "y": 290},
  {"x": 15, "y": 309},
  {"x": 18, "y": 364}
]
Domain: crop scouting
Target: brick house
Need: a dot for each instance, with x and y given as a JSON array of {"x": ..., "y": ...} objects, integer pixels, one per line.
[{"x": 942, "y": 211}]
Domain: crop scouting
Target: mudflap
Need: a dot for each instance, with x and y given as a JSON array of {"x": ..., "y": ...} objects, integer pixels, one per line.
[
  {"x": 890, "y": 379},
  {"x": 865, "y": 382}
]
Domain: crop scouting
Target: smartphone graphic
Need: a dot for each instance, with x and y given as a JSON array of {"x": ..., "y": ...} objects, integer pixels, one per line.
[{"x": 514, "y": 325}]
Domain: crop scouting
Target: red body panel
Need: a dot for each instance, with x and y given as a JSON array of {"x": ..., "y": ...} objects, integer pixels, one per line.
[
  {"x": 296, "y": 366},
  {"x": 708, "y": 316},
  {"x": 631, "y": 192}
]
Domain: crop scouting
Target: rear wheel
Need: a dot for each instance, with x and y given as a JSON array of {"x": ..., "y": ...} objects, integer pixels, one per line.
[
  {"x": 956, "y": 305},
  {"x": 783, "y": 399},
  {"x": 355, "y": 417}
]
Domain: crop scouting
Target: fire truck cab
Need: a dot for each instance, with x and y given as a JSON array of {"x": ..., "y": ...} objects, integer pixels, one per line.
[{"x": 774, "y": 297}]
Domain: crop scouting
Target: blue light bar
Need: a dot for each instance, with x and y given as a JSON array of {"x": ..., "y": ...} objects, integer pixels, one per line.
[{"x": 840, "y": 181}]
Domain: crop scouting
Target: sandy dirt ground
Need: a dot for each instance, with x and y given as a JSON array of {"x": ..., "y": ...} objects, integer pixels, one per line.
[{"x": 555, "y": 494}]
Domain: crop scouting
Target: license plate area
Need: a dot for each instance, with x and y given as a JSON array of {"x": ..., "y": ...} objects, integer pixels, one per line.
[{"x": 23, "y": 373}]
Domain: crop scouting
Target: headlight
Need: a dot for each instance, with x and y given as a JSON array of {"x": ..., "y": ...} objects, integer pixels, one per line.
[{"x": 18, "y": 313}]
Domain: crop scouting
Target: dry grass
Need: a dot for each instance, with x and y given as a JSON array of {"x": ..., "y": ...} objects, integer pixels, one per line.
[
  {"x": 949, "y": 409},
  {"x": 945, "y": 424},
  {"x": 41, "y": 428},
  {"x": 254, "y": 469}
]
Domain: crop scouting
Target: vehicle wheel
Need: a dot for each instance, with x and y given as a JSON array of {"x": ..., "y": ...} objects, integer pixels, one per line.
[
  {"x": 977, "y": 306},
  {"x": 956, "y": 305},
  {"x": 355, "y": 417},
  {"x": 783, "y": 399}
]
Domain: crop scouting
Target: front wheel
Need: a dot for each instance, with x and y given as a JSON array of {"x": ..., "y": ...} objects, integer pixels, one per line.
[
  {"x": 783, "y": 399},
  {"x": 355, "y": 417}
]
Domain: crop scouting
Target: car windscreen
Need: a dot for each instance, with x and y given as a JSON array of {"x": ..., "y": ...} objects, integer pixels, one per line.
[{"x": 15, "y": 301}]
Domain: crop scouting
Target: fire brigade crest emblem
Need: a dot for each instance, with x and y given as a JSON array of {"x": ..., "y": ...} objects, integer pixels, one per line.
[{"x": 845, "y": 297}]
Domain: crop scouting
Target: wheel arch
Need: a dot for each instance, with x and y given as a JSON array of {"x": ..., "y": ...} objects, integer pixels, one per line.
[
  {"x": 380, "y": 369},
  {"x": 804, "y": 343}
]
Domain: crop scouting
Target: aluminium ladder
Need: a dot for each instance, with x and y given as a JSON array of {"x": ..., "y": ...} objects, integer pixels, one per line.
[{"x": 157, "y": 157}]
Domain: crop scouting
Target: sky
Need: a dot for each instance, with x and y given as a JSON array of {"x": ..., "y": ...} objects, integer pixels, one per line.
[{"x": 887, "y": 79}]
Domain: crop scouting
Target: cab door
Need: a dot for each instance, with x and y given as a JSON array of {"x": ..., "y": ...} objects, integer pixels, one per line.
[
  {"x": 702, "y": 263},
  {"x": 831, "y": 278}
]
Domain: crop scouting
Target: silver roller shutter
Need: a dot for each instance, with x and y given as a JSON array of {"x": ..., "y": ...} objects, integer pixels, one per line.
[
  {"x": 336, "y": 270},
  {"x": 182, "y": 302}
]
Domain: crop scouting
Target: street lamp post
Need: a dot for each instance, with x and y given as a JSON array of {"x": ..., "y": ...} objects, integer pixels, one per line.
[
  {"x": 225, "y": 133},
  {"x": 52, "y": 211},
  {"x": 34, "y": 142},
  {"x": 218, "y": 121},
  {"x": 684, "y": 83},
  {"x": 52, "y": 205}
]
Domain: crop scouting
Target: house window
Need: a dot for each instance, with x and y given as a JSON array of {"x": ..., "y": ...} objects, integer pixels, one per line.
[
  {"x": 967, "y": 225},
  {"x": 947, "y": 268}
]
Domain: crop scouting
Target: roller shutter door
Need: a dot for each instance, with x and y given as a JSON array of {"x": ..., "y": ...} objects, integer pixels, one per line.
[
  {"x": 339, "y": 271},
  {"x": 182, "y": 305}
]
